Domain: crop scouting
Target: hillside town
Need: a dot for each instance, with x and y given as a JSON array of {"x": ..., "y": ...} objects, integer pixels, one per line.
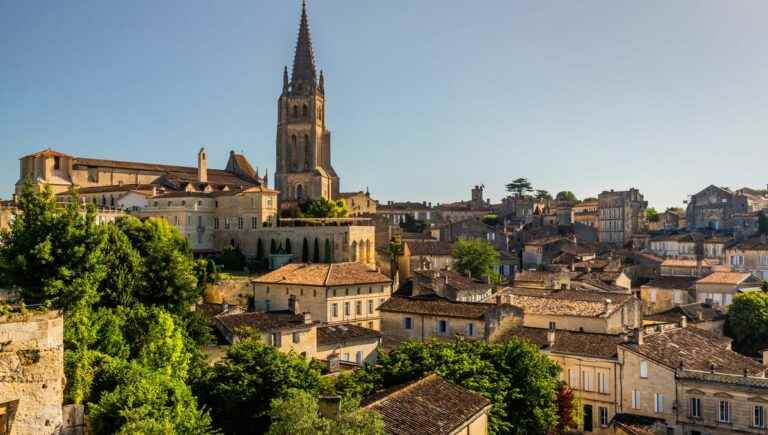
[{"x": 148, "y": 297}]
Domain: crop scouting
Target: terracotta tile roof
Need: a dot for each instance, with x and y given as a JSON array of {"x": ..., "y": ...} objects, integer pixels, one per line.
[
  {"x": 725, "y": 278},
  {"x": 696, "y": 312},
  {"x": 696, "y": 348},
  {"x": 49, "y": 152},
  {"x": 266, "y": 322},
  {"x": 436, "y": 306},
  {"x": 116, "y": 188},
  {"x": 633, "y": 424},
  {"x": 571, "y": 342},
  {"x": 672, "y": 283},
  {"x": 681, "y": 262},
  {"x": 431, "y": 405},
  {"x": 565, "y": 303},
  {"x": 535, "y": 276},
  {"x": 429, "y": 247},
  {"x": 753, "y": 244},
  {"x": 333, "y": 334},
  {"x": 452, "y": 280},
  {"x": 323, "y": 274}
]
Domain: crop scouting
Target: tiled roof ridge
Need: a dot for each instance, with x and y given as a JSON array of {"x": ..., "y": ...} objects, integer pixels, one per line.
[{"x": 399, "y": 390}]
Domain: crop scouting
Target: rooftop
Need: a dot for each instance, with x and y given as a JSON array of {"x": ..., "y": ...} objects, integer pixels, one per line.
[
  {"x": 672, "y": 283},
  {"x": 565, "y": 303},
  {"x": 333, "y": 334},
  {"x": 696, "y": 349},
  {"x": 324, "y": 274},
  {"x": 265, "y": 322},
  {"x": 435, "y": 305},
  {"x": 429, "y": 247},
  {"x": 725, "y": 278},
  {"x": 696, "y": 312},
  {"x": 571, "y": 342},
  {"x": 431, "y": 405}
]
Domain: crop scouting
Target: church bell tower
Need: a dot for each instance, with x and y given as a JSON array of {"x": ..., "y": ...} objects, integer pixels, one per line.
[{"x": 304, "y": 170}]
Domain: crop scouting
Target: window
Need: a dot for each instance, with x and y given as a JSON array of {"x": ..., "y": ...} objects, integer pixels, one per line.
[
  {"x": 345, "y": 356},
  {"x": 240, "y": 223},
  {"x": 602, "y": 382},
  {"x": 254, "y": 222},
  {"x": 370, "y": 325},
  {"x": 359, "y": 357},
  {"x": 408, "y": 323},
  {"x": 227, "y": 223},
  {"x": 603, "y": 413},
  {"x": 764, "y": 260},
  {"x": 297, "y": 337},
  {"x": 695, "y": 405},
  {"x": 268, "y": 304},
  {"x": 659, "y": 403},
  {"x": 359, "y": 308},
  {"x": 346, "y": 308},
  {"x": 759, "y": 417},
  {"x": 57, "y": 163},
  {"x": 643, "y": 369},
  {"x": 335, "y": 310},
  {"x": 274, "y": 339},
  {"x": 724, "y": 412},
  {"x": 471, "y": 329},
  {"x": 573, "y": 378},
  {"x": 635, "y": 399},
  {"x": 737, "y": 260},
  {"x": 442, "y": 327},
  {"x": 370, "y": 306},
  {"x": 652, "y": 295},
  {"x": 215, "y": 223},
  {"x": 677, "y": 296},
  {"x": 587, "y": 376}
]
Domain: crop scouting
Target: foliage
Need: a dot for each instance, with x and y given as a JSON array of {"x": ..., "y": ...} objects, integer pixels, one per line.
[
  {"x": 475, "y": 256},
  {"x": 520, "y": 381},
  {"x": 412, "y": 225},
  {"x": 565, "y": 409},
  {"x": 125, "y": 269},
  {"x": 764, "y": 286},
  {"x": 53, "y": 254},
  {"x": 324, "y": 208},
  {"x": 239, "y": 390},
  {"x": 590, "y": 199},
  {"x": 762, "y": 223},
  {"x": 747, "y": 322},
  {"x": 566, "y": 195},
  {"x": 168, "y": 274},
  {"x": 519, "y": 186},
  {"x": 298, "y": 413},
  {"x": 145, "y": 401},
  {"x": 491, "y": 219},
  {"x": 543, "y": 194},
  {"x": 231, "y": 259},
  {"x": 651, "y": 215}
]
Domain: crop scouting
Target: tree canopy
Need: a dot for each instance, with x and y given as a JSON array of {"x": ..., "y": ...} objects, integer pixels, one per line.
[
  {"x": 519, "y": 186},
  {"x": 298, "y": 413},
  {"x": 324, "y": 208},
  {"x": 747, "y": 322},
  {"x": 762, "y": 223},
  {"x": 651, "y": 215},
  {"x": 521, "y": 382},
  {"x": 566, "y": 195},
  {"x": 475, "y": 256}
]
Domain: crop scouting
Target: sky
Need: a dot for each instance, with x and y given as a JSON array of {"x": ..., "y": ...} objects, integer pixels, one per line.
[{"x": 424, "y": 98}]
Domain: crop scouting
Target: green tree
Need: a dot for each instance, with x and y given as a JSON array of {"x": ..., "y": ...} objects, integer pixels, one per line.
[
  {"x": 491, "y": 219},
  {"x": 566, "y": 195},
  {"x": 762, "y": 223},
  {"x": 519, "y": 186},
  {"x": 124, "y": 264},
  {"x": 521, "y": 382},
  {"x": 543, "y": 194},
  {"x": 298, "y": 413},
  {"x": 232, "y": 259},
  {"x": 141, "y": 400},
  {"x": 169, "y": 277},
  {"x": 747, "y": 322},
  {"x": 324, "y": 208},
  {"x": 239, "y": 390},
  {"x": 475, "y": 256},
  {"x": 53, "y": 254},
  {"x": 651, "y": 215}
]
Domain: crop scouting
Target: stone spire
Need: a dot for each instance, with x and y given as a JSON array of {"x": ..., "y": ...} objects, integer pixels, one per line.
[
  {"x": 321, "y": 83},
  {"x": 285, "y": 79},
  {"x": 304, "y": 58}
]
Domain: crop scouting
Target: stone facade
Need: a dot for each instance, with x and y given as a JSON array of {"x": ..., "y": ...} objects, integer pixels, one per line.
[
  {"x": 586, "y": 213},
  {"x": 358, "y": 203},
  {"x": 621, "y": 214},
  {"x": 304, "y": 169},
  {"x": 32, "y": 371},
  {"x": 749, "y": 256},
  {"x": 717, "y": 208}
]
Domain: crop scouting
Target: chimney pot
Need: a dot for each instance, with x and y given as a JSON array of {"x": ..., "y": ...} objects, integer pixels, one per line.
[
  {"x": 307, "y": 318},
  {"x": 683, "y": 322}
]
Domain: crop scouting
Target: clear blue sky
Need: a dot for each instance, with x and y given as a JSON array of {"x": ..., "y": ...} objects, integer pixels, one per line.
[{"x": 425, "y": 98}]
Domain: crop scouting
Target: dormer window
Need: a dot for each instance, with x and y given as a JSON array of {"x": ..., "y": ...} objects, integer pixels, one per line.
[{"x": 57, "y": 163}]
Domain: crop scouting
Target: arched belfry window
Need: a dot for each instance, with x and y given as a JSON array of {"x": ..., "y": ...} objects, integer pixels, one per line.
[{"x": 295, "y": 111}]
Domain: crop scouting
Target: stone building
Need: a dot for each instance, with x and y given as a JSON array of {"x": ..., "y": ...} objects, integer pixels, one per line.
[
  {"x": 719, "y": 288},
  {"x": 32, "y": 372},
  {"x": 621, "y": 214},
  {"x": 7, "y": 211},
  {"x": 358, "y": 203},
  {"x": 425, "y": 254},
  {"x": 303, "y": 167},
  {"x": 749, "y": 255},
  {"x": 716, "y": 207},
  {"x": 663, "y": 293},
  {"x": 336, "y": 293},
  {"x": 431, "y": 405},
  {"x": 586, "y": 213}
]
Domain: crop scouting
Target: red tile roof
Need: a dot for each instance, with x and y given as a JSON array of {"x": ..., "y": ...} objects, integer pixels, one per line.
[{"x": 324, "y": 274}]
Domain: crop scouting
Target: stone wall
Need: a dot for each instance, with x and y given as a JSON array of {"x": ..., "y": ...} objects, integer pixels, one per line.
[{"x": 32, "y": 370}]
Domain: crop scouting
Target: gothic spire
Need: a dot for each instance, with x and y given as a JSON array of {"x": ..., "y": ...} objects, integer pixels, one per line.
[{"x": 304, "y": 58}]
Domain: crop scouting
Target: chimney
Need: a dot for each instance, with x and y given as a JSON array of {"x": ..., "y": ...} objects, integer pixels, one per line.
[
  {"x": 293, "y": 305},
  {"x": 330, "y": 406},
  {"x": 638, "y": 336},
  {"x": 202, "y": 166},
  {"x": 307, "y": 318},
  {"x": 551, "y": 335},
  {"x": 683, "y": 322}
]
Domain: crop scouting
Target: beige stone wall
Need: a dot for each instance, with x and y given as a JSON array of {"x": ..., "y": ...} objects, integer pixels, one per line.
[
  {"x": 742, "y": 401},
  {"x": 32, "y": 370},
  {"x": 478, "y": 426},
  {"x": 656, "y": 300},
  {"x": 424, "y": 327},
  {"x": 307, "y": 344},
  {"x": 350, "y": 349},
  {"x": 584, "y": 374},
  {"x": 569, "y": 323},
  {"x": 6, "y": 217},
  {"x": 320, "y": 301},
  {"x": 660, "y": 380},
  {"x": 754, "y": 261}
]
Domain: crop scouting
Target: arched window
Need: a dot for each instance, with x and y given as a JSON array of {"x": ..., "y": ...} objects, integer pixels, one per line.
[
  {"x": 306, "y": 111},
  {"x": 295, "y": 111},
  {"x": 307, "y": 151}
]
